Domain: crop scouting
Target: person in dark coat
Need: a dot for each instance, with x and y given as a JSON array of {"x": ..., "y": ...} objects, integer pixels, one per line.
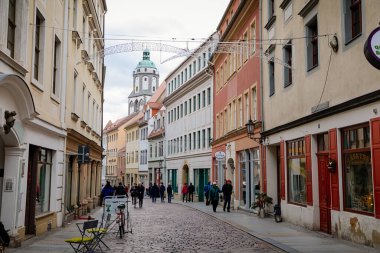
[
  {"x": 214, "y": 195},
  {"x": 155, "y": 192},
  {"x": 227, "y": 191},
  {"x": 107, "y": 190},
  {"x": 162, "y": 192},
  {"x": 134, "y": 194},
  {"x": 140, "y": 194},
  {"x": 170, "y": 193},
  {"x": 149, "y": 190},
  {"x": 191, "y": 190},
  {"x": 120, "y": 190}
]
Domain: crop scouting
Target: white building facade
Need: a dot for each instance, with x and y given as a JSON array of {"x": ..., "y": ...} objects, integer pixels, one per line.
[{"x": 188, "y": 127}]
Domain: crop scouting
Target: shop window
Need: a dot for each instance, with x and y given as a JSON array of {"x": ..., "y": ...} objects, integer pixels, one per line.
[
  {"x": 296, "y": 161},
  {"x": 357, "y": 170},
  {"x": 44, "y": 168}
]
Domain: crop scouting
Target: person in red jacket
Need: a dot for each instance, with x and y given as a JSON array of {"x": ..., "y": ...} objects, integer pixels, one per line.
[{"x": 185, "y": 191}]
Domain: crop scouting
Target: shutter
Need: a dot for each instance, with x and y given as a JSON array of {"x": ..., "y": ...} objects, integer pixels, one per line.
[
  {"x": 264, "y": 168},
  {"x": 309, "y": 184},
  {"x": 375, "y": 145},
  {"x": 282, "y": 170},
  {"x": 335, "y": 175}
]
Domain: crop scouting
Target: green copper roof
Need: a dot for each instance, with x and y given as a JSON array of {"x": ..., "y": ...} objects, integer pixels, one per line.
[{"x": 146, "y": 62}]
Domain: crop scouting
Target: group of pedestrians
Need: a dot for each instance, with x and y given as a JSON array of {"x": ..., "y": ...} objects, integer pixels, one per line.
[
  {"x": 212, "y": 195},
  {"x": 188, "y": 192},
  {"x": 155, "y": 191},
  {"x": 137, "y": 192}
]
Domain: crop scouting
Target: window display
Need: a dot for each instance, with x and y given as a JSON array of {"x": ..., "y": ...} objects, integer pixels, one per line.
[{"x": 357, "y": 170}]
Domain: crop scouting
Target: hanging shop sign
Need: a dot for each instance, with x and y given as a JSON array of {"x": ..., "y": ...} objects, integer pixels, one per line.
[
  {"x": 372, "y": 48},
  {"x": 220, "y": 155}
]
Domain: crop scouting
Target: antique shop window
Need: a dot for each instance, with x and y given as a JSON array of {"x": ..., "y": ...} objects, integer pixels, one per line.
[
  {"x": 296, "y": 171},
  {"x": 43, "y": 181},
  {"x": 357, "y": 169}
]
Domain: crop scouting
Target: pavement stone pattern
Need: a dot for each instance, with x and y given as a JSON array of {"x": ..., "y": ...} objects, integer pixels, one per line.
[
  {"x": 164, "y": 227},
  {"x": 158, "y": 227}
]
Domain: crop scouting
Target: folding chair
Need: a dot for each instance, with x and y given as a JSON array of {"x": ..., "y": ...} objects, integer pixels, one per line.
[
  {"x": 84, "y": 242},
  {"x": 100, "y": 232}
]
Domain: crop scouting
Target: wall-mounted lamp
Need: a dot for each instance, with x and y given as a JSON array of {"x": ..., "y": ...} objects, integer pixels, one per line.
[
  {"x": 331, "y": 165},
  {"x": 9, "y": 121},
  {"x": 251, "y": 131}
]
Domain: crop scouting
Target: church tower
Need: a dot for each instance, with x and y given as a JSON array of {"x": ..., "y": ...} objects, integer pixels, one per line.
[{"x": 145, "y": 83}]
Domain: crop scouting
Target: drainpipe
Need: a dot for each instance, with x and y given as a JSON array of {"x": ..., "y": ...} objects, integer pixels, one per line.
[
  {"x": 261, "y": 68},
  {"x": 63, "y": 99}
]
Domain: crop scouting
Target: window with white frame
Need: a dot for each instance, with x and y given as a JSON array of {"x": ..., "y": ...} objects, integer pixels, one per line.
[
  {"x": 254, "y": 104},
  {"x": 43, "y": 181},
  {"x": 253, "y": 37}
]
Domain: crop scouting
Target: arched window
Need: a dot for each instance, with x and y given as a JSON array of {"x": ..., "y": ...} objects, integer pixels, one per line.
[
  {"x": 141, "y": 104},
  {"x": 131, "y": 107},
  {"x": 145, "y": 83},
  {"x": 136, "y": 106}
]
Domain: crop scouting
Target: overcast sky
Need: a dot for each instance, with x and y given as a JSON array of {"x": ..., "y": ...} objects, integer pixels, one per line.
[{"x": 158, "y": 21}]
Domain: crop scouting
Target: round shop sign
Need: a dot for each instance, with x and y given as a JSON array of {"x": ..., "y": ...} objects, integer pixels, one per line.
[
  {"x": 220, "y": 155},
  {"x": 372, "y": 48}
]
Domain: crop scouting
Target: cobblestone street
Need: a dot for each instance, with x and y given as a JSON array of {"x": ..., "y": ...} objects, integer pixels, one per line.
[{"x": 164, "y": 227}]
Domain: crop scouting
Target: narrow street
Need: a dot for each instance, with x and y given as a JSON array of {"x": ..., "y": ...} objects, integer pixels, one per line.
[{"x": 163, "y": 227}]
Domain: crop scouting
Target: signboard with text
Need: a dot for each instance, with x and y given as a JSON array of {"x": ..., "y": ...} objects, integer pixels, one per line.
[{"x": 372, "y": 48}]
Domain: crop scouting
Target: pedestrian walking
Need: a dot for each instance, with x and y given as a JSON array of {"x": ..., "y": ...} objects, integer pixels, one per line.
[
  {"x": 191, "y": 192},
  {"x": 214, "y": 195},
  {"x": 149, "y": 190},
  {"x": 170, "y": 193},
  {"x": 134, "y": 193},
  {"x": 185, "y": 191},
  {"x": 227, "y": 191},
  {"x": 206, "y": 190},
  {"x": 162, "y": 192},
  {"x": 140, "y": 194},
  {"x": 154, "y": 192}
]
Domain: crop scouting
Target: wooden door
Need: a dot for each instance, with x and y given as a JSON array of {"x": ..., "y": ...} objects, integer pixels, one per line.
[{"x": 324, "y": 194}]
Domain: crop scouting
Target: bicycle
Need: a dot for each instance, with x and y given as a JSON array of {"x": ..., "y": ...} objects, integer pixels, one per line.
[{"x": 120, "y": 220}]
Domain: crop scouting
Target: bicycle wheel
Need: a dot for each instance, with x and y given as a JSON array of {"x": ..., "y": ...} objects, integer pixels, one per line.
[{"x": 122, "y": 225}]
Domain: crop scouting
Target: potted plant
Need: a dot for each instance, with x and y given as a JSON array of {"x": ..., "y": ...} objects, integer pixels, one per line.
[{"x": 262, "y": 202}]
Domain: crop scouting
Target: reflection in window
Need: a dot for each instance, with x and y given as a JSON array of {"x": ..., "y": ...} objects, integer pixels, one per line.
[
  {"x": 296, "y": 171},
  {"x": 357, "y": 169},
  {"x": 43, "y": 181}
]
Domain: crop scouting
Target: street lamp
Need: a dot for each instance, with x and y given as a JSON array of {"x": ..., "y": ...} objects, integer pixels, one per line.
[{"x": 251, "y": 131}]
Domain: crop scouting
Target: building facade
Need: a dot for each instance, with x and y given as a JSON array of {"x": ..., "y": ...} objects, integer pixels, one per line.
[
  {"x": 320, "y": 111},
  {"x": 132, "y": 148},
  {"x": 36, "y": 74},
  {"x": 188, "y": 126},
  {"x": 84, "y": 96},
  {"x": 236, "y": 101}
]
